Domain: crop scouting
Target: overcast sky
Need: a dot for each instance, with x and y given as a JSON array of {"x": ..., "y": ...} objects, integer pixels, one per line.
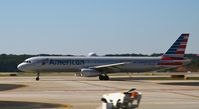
[{"x": 102, "y": 26}]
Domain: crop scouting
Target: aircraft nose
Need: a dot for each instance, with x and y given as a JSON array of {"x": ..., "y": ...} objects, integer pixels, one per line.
[{"x": 20, "y": 67}]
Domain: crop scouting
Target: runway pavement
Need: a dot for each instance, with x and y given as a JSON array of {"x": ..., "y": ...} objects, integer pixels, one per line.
[{"x": 85, "y": 93}]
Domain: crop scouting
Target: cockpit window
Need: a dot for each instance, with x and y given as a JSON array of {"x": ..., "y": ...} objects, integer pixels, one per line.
[{"x": 27, "y": 62}]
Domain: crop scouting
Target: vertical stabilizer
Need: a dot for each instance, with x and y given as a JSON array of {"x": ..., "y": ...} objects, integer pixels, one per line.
[{"x": 177, "y": 50}]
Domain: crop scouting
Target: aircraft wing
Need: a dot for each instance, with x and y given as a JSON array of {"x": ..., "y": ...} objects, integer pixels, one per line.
[{"x": 109, "y": 67}]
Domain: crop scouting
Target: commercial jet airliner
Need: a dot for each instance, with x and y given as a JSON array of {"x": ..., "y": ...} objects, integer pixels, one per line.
[{"x": 101, "y": 66}]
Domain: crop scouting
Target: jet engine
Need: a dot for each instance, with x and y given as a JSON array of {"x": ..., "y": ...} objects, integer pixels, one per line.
[{"x": 89, "y": 72}]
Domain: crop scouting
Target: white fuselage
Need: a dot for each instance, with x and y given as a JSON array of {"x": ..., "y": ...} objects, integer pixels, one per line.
[
  {"x": 101, "y": 66},
  {"x": 75, "y": 64}
]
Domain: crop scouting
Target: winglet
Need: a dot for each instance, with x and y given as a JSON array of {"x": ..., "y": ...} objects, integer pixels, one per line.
[{"x": 177, "y": 50}]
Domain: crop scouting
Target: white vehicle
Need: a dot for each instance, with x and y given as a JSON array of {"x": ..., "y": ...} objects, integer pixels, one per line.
[
  {"x": 121, "y": 100},
  {"x": 101, "y": 66}
]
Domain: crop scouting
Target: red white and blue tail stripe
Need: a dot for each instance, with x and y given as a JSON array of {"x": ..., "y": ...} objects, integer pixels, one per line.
[{"x": 176, "y": 51}]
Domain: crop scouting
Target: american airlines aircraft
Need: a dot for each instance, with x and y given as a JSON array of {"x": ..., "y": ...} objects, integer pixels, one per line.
[{"x": 101, "y": 66}]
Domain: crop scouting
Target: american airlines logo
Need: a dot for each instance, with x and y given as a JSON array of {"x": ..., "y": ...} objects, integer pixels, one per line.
[
  {"x": 66, "y": 62},
  {"x": 45, "y": 62}
]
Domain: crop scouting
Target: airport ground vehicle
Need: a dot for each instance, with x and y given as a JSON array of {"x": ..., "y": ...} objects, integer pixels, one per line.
[{"x": 121, "y": 100}]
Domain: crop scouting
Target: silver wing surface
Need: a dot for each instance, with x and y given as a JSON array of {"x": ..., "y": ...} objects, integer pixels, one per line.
[{"x": 109, "y": 67}]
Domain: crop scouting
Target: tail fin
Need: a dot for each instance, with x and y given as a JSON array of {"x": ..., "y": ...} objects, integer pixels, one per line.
[{"x": 177, "y": 50}]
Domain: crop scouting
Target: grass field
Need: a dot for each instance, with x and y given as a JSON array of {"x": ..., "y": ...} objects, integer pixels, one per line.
[{"x": 21, "y": 74}]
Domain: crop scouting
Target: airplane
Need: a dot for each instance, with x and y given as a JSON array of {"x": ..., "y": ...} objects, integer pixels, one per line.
[{"x": 94, "y": 66}]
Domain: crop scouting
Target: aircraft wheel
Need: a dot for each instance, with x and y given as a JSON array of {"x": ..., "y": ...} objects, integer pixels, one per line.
[
  {"x": 106, "y": 77},
  {"x": 37, "y": 78},
  {"x": 101, "y": 77}
]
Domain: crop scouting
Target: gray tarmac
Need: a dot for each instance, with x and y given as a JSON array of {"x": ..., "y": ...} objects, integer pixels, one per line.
[{"x": 85, "y": 93}]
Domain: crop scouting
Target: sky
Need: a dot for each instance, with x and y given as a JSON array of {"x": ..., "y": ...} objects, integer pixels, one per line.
[{"x": 103, "y": 26}]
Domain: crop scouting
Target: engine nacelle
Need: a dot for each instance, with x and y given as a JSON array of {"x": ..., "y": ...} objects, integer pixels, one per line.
[{"x": 89, "y": 72}]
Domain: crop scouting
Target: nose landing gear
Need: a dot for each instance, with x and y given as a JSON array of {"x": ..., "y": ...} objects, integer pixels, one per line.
[{"x": 37, "y": 78}]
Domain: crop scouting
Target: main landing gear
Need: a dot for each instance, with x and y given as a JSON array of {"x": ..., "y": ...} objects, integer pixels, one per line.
[
  {"x": 103, "y": 77},
  {"x": 37, "y": 78}
]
